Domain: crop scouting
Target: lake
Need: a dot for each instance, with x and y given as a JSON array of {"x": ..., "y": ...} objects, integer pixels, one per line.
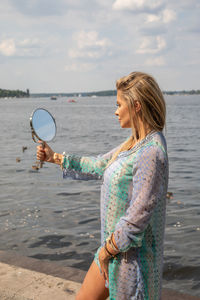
[{"x": 48, "y": 218}]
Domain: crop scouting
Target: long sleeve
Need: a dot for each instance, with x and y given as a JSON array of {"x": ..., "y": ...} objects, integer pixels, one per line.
[
  {"x": 86, "y": 168},
  {"x": 148, "y": 188}
]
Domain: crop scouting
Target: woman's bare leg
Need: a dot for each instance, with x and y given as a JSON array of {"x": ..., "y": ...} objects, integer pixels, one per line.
[{"x": 93, "y": 287}]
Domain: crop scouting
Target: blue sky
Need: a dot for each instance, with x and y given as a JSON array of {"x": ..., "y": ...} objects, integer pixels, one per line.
[{"x": 85, "y": 45}]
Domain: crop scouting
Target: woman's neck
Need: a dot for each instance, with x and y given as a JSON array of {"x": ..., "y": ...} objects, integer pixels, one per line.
[
  {"x": 144, "y": 130},
  {"x": 142, "y": 135}
]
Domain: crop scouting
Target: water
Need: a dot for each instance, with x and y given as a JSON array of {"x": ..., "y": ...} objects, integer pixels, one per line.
[{"x": 46, "y": 217}]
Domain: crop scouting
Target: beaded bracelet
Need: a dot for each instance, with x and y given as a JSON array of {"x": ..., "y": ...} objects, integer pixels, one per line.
[
  {"x": 63, "y": 160},
  {"x": 58, "y": 160}
]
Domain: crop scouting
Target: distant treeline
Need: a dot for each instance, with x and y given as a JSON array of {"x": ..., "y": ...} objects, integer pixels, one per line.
[
  {"x": 84, "y": 94},
  {"x": 108, "y": 93},
  {"x": 192, "y": 92},
  {"x": 14, "y": 93}
]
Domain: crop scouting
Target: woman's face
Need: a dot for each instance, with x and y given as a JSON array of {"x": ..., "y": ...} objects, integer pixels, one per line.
[{"x": 122, "y": 111}]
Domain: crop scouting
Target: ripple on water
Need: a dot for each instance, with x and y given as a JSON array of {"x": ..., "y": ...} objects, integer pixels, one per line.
[
  {"x": 177, "y": 271},
  {"x": 68, "y": 194},
  {"x": 51, "y": 241},
  {"x": 87, "y": 221},
  {"x": 58, "y": 256}
]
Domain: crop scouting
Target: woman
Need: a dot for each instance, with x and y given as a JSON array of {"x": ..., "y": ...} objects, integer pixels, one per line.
[{"x": 128, "y": 264}]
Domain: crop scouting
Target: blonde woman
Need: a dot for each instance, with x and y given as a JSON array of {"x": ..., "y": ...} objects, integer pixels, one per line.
[{"x": 128, "y": 264}]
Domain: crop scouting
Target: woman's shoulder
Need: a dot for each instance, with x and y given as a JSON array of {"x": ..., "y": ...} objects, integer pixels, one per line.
[
  {"x": 158, "y": 142},
  {"x": 155, "y": 147}
]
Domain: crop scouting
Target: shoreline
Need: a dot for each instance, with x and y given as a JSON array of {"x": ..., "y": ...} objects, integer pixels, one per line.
[{"x": 24, "y": 278}]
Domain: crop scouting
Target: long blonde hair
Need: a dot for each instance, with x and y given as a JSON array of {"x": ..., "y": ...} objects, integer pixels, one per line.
[{"x": 141, "y": 87}]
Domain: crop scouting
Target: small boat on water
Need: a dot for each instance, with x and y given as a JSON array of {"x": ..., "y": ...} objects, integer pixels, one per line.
[
  {"x": 53, "y": 98},
  {"x": 71, "y": 101}
]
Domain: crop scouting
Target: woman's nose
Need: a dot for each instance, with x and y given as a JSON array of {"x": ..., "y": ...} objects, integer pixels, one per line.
[{"x": 116, "y": 112}]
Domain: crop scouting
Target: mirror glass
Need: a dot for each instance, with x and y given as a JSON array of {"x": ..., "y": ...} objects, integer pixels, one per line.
[{"x": 43, "y": 125}]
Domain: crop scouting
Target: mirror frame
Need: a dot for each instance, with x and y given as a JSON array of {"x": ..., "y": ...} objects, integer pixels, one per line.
[{"x": 32, "y": 128}]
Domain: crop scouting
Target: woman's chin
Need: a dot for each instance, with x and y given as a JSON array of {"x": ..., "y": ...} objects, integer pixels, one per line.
[{"x": 124, "y": 125}]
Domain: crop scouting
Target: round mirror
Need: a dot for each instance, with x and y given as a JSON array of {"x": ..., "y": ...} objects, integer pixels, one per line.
[{"x": 43, "y": 125}]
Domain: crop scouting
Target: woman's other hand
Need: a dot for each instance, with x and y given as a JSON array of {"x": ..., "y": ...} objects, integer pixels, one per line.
[
  {"x": 45, "y": 153},
  {"x": 104, "y": 262}
]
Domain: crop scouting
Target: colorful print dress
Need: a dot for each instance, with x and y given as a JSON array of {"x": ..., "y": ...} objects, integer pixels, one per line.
[{"x": 133, "y": 205}]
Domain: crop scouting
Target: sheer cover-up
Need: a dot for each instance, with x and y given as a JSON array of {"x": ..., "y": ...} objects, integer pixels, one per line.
[{"x": 133, "y": 205}]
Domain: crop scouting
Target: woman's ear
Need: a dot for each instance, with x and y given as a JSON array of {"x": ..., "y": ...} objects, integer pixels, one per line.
[{"x": 137, "y": 106}]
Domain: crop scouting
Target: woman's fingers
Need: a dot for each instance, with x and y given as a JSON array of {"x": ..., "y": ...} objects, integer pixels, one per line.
[
  {"x": 40, "y": 152},
  {"x": 104, "y": 269},
  {"x": 44, "y": 152},
  {"x": 106, "y": 273},
  {"x": 40, "y": 148},
  {"x": 104, "y": 262}
]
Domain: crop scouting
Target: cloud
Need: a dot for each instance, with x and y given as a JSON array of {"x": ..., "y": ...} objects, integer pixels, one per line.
[
  {"x": 47, "y": 8},
  {"x": 7, "y": 47},
  {"x": 155, "y": 61},
  {"x": 90, "y": 39},
  {"x": 31, "y": 47},
  {"x": 28, "y": 47},
  {"x": 159, "y": 24},
  {"x": 152, "y": 18},
  {"x": 166, "y": 16},
  {"x": 30, "y": 43},
  {"x": 137, "y": 5},
  {"x": 49, "y": 40},
  {"x": 40, "y": 8},
  {"x": 89, "y": 45},
  {"x": 80, "y": 67},
  {"x": 152, "y": 45}
]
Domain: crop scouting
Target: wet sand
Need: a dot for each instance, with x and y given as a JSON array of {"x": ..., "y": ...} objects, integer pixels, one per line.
[{"x": 23, "y": 278}]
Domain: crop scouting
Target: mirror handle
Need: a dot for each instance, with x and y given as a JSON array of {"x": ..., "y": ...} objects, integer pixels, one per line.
[{"x": 43, "y": 145}]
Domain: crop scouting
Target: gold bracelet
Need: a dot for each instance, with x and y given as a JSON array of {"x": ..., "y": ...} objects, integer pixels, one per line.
[
  {"x": 108, "y": 252},
  {"x": 110, "y": 242}
]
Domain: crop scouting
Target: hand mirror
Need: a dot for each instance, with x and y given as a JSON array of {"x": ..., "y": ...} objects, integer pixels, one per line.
[{"x": 43, "y": 125}]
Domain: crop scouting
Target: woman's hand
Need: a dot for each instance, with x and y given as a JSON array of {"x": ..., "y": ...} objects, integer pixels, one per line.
[
  {"x": 45, "y": 153},
  {"x": 104, "y": 262}
]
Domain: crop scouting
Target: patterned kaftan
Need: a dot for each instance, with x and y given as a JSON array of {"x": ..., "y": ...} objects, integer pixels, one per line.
[{"x": 133, "y": 203}]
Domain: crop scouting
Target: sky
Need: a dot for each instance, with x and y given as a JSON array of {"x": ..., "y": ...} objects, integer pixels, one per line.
[{"x": 86, "y": 45}]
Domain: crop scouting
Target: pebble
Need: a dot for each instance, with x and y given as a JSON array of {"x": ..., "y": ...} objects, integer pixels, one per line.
[
  {"x": 35, "y": 167},
  {"x": 24, "y": 148}
]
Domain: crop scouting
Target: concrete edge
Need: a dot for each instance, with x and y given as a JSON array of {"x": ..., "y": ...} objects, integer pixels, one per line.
[
  {"x": 12, "y": 258},
  {"x": 22, "y": 284},
  {"x": 48, "y": 268}
]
